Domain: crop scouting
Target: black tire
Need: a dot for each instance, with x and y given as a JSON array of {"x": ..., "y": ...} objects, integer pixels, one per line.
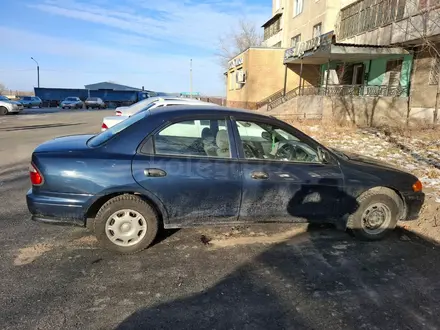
[
  {"x": 3, "y": 111},
  {"x": 122, "y": 202},
  {"x": 382, "y": 201}
]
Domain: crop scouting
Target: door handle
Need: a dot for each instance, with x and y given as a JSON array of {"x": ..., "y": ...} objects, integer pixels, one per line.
[
  {"x": 259, "y": 175},
  {"x": 154, "y": 172}
]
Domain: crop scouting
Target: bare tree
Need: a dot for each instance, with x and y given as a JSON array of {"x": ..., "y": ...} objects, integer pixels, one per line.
[
  {"x": 2, "y": 88},
  {"x": 240, "y": 38}
]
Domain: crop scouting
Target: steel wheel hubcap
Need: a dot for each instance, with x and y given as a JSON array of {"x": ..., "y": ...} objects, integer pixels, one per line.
[
  {"x": 126, "y": 227},
  {"x": 376, "y": 218}
]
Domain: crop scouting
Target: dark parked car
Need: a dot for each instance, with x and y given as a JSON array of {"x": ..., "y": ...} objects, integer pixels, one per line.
[
  {"x": 72, "y": 103},
  {"x": 194, "y": 165},
  {"x": 31, "y": 101},
  {"x": 95, "y": 103}
]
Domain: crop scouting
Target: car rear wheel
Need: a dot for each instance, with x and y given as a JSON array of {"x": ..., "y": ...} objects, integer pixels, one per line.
[
  {"x": 3, "y": 111},
  {"x": 126, "y": 224},
  {"x": 377, "y": 214}
]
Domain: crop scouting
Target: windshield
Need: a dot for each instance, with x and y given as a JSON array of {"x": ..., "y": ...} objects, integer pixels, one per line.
[
  {"x": 92, "y": 99},
  {"x": 148, "y": 107},
  {"x": 3, "y": 98},
  {"x": 71, "y": 99},
  {"x": 141, "y": 105},
  {"x": 27, "y": 98},
  {"x": 103, "y": 137}
]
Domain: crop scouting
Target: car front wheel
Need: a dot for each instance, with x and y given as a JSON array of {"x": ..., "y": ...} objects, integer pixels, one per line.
[
  {"x": 126, "y": 224},
  {"x": 377, "y": 214},
  {"x": 3, "y": 111}
]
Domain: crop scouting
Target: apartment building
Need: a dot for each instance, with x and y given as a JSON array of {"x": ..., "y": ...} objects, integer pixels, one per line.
[
  {"x": 412, "y": 24},
  {"x": 368, "y": 49},
  {"x": 291, "y": 22}
]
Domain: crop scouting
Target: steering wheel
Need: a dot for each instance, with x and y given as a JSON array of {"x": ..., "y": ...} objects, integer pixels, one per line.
[
  {"x": 250, "y": 151},
  {"x": 286, "y": 152}
]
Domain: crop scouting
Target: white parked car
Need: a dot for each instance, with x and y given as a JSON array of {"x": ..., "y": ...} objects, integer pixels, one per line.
[
  {"x": 108, "y": 122},
  {"x": 132, "y": 109},
  {"x": 9, "y": 106}
]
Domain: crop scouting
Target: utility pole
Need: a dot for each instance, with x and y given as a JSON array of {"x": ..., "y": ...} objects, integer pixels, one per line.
[
  {"x": 38, "y": 72},
  {"x": 190, "y": 78}
]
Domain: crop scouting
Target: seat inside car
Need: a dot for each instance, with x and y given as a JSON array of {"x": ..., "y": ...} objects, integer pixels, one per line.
[
  {"x": 222, "y": 141},
  {"x": 208, "y": 142}
]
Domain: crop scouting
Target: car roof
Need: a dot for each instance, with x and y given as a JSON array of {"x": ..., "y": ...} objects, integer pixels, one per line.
[
  {"x": 183, "y": 102},
  {"x": 178, "y": 110}
]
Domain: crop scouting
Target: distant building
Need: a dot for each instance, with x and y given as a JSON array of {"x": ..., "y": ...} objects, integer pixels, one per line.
[{"x": 111, "y": 86}]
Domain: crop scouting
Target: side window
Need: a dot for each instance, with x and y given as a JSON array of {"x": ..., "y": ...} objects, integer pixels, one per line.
[
  {"x": 204, "y": 138},
  {"x": 264, "y": 141}
]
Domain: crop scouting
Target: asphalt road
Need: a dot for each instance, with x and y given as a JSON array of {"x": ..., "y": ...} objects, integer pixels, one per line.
[{"x": 253, "y": 277}]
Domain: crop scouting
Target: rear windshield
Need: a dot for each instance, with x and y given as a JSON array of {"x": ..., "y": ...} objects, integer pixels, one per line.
[
  {"x": 92, "y": 99},
  {"x": 103, "y": 137},
  {"x": 27, "y": 98}
]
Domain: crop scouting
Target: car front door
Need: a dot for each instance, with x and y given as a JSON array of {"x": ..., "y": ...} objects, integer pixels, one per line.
[
  {"x": 190, "y": 167},
  {"x": 284, "y": 178}
]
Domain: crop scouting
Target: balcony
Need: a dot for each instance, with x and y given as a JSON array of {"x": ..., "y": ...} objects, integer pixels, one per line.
[
  {"x": 272, "y": 31},
  {"x": 385, "y": 22}
]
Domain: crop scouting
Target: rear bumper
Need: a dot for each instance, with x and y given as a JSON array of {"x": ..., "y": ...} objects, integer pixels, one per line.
[
  {"x": 413, "y": 205},
  {"x": 58, "y": 208}
]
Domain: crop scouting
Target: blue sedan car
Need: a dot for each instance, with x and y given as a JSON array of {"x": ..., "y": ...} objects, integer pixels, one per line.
[{"x": 188, "y": 166}]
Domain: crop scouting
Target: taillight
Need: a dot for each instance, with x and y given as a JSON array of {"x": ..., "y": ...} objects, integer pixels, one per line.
[
  {"x": 118, "y": 113},
  {"x": 417, "y": 186},
  {"x": 104, "y": 127},
  {"x": 35, "y": 176}
]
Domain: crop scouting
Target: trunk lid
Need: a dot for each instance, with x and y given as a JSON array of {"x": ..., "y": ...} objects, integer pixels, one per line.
[{"x": 65, "y": 143}]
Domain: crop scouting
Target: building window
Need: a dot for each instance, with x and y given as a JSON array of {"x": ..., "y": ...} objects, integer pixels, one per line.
[
  {"x": 317, "y": 30},
  {"x": 232, "y": 80},
  {"x": 297, "y": 7},
  {"x": 296, "y": 39},
  {"x": 392, "y": 74},
  {"x": 434, "y": 73}
]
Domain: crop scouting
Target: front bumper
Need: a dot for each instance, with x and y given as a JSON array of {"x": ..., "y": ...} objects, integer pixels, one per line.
[
  {"x": 17, "y": 109},
  {"x": 413, "y": 205},
  {"x": 58, "y": 208}
]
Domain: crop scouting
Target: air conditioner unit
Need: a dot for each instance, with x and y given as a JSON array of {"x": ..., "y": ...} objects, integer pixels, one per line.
[{"x": 241, "y": 77}]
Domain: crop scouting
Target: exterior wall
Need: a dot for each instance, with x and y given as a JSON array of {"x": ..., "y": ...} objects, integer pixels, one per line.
[
  {"x": 362, "y": 111},
  {"x": 423, "y": 94},
  {"x": 314, "y": 12},
  {"x": 264, "y": 76},
  {"x": 275, "y": 39}
]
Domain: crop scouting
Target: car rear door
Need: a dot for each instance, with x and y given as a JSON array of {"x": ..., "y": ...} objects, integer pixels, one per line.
[
  {"x": 278, "y": 189},
  {"x": 194, "y": 187}
]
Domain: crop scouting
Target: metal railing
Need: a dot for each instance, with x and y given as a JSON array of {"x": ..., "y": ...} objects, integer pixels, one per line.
[
  {"x": 283, "y": 98},
  {"x": 355, "y": 90},
  {"x": 270, "y": 98},
  {"x": 338, "y": 90}
]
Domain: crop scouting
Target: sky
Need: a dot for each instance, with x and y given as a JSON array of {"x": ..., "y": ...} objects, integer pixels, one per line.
[{"x": 132, "y": 42}]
